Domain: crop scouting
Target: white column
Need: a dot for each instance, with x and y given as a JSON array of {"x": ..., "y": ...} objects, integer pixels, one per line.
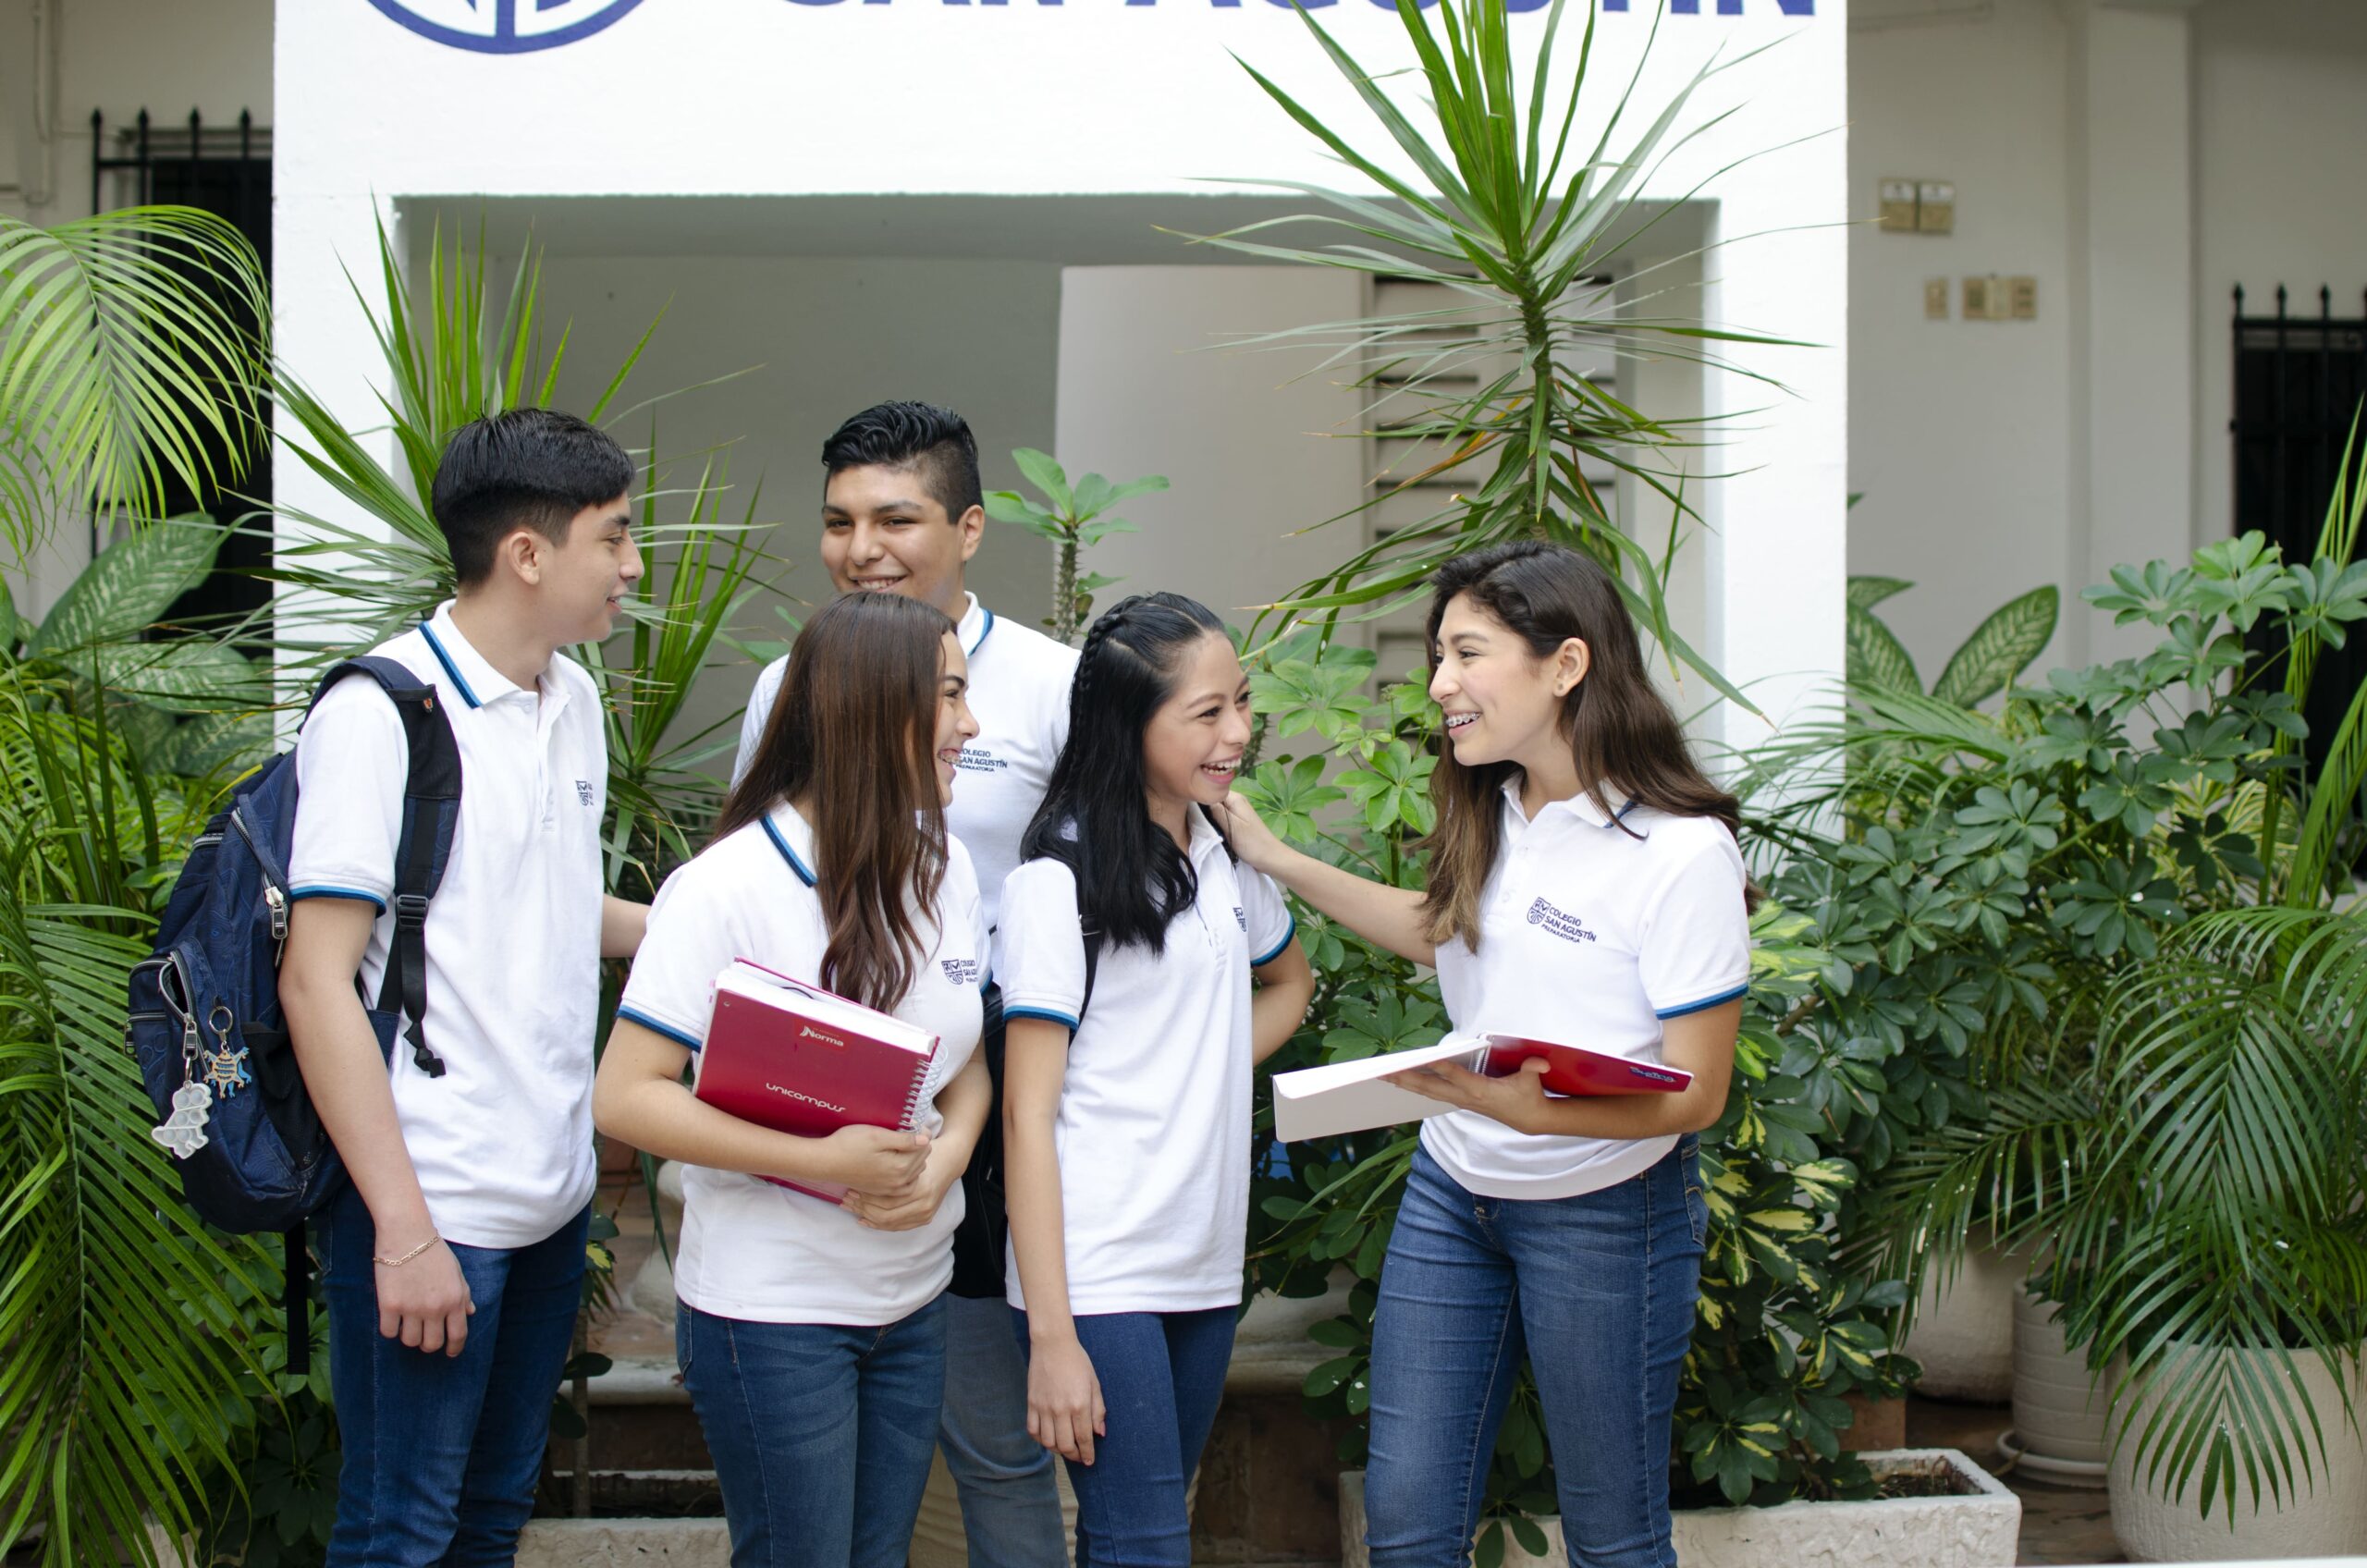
[
  {"x": 2133, "y": 357},
  {"x": 1776, "y": 544}
]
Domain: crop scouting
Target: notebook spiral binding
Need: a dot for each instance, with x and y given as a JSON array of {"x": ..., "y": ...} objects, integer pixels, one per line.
[{"x": 913, "y": 1097}]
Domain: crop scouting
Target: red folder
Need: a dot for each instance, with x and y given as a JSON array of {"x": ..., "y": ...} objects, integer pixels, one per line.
[
  {"x": 792, "y": 1057},
  {"x": 1574, "y": 1070}
]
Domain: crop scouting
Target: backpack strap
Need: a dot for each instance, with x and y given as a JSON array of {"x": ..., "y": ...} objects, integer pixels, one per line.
[
  {"x": 431, "y": 815},
  {"x": 1092, "y": 965}
]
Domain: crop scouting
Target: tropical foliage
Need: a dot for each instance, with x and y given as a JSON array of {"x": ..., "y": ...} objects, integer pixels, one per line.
[
  {"x": 1519, "y": 216},
  {"x": 1988, "y": 662},
  {"x": 1072, "y": 518},
  {"x": 2106, "y": 971},
  {"x": 127, "y": 362},
  {"x": 123, "y": 365}
]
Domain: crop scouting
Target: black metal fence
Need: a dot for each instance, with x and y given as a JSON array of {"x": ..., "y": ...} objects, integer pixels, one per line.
[
  {"x": 226, "y": 170},
  {"x": 2298, "y": 381}
]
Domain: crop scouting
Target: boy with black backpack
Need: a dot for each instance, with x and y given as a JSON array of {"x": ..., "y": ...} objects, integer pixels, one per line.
[{"x": 454, "y": 1256}]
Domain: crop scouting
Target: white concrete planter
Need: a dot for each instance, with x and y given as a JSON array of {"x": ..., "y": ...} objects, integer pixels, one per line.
[
  {"x": 2327, "y": 1519},
  {"x": 1963, "y": 1334},
  {"x": 652, "y": 1289},
  {"x": 1977, "y": 1530},
  {"x": 2058, "y": 1409}
]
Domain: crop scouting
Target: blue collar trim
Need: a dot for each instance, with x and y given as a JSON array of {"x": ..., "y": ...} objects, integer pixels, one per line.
[
  {"x": 787, "y": 853},
  {"x": 449, "y": 668}
]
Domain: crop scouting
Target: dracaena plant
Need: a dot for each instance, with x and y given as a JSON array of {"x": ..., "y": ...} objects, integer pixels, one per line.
[{"x": 1520, "y": 214}]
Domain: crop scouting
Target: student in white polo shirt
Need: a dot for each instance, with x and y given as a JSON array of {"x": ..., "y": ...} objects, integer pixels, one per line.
[
  {"x": 1127, "y": 1109},
  {"x": 901, "y": 513},
  {"x": 455, "y": 1257},
  {"x": 812, "y": 1334},
  {"x": 1584, "y": 887}
]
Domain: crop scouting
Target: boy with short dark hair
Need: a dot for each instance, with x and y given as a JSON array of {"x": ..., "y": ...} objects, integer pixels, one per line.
[
  {"x": 455, "y": 1255},
  {"x": 902, "y": 513}
]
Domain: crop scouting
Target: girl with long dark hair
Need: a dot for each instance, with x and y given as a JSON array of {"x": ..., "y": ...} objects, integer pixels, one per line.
[
  {"x": 1143, "y": 973},
  {"x": 812, "y": 1335},
  {"x": 1585, "y": 888}
]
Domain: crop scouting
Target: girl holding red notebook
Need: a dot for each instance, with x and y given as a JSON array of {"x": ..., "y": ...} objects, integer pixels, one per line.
[
  {"x": 1584, "y": 888},
  {"x": 812, "y": 1334}
]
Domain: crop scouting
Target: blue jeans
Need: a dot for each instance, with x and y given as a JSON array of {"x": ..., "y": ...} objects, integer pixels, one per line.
[
  {"x": 1162, "y": 1377},
  {"x": 441, "y": 1453},
  {"x": 821, "y": 1432},
  {"x": 1600, "y": 1289},
  {"x": 1011, "y": 1510}
]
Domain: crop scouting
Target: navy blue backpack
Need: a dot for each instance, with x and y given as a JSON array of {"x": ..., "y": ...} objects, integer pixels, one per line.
[{"x": 205, "y": 1021}]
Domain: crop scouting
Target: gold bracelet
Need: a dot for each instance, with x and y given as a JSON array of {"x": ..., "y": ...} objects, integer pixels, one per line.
[{"x": 399, "y": 1262}]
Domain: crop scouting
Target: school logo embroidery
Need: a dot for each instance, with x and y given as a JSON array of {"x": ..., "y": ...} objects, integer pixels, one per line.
[
  {"x": 1241, "y": 918},
  {"x": 959, "y": 971},
  {"x": 976, "y": 760},
  {"x": 1569, "y": 927},
  {"x": 504, "y": 27},
  {"x": 583, "y": 790}
]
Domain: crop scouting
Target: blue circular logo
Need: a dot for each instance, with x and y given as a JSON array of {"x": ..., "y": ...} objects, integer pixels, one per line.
[{"x": 504, "y": 27}]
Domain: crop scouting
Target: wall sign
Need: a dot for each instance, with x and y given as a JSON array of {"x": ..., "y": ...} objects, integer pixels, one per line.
[{"x": 504, "y": 27}]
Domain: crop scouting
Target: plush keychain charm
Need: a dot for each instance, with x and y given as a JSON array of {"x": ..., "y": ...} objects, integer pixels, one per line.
[{"x": 183, "y": 1132}]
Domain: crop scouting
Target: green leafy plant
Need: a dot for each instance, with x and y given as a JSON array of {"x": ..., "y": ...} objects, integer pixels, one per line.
[
  {"x": 2127, "y": 993},
  {"x": 1988, "y": 662},
  {"x": 1520, "y": 218},
  {"x": 1074, "y": 518},
  {"x": 124, "y": 364}
]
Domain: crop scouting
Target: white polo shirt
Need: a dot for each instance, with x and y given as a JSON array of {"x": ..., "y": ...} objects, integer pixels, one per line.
[
  {"x": 1592, "y": 935},
  {"x": 502, "y": 1141},
  {"x": 1153, "y": 1129},
  {"x": 749, "y": 1249},
  {"x": 1019, "y": 693}
]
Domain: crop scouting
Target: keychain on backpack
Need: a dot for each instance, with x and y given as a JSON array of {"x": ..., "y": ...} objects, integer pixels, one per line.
[
  {"x": 183, "y": 1132},
  {"x": 226, "y": 1068}
]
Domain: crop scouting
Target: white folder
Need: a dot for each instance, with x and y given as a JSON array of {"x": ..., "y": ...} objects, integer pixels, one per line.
[{"x": 1348, "y": 1096}]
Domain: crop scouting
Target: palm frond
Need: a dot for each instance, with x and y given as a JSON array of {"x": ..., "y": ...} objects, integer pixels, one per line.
[{"x": 125, "y": 362}]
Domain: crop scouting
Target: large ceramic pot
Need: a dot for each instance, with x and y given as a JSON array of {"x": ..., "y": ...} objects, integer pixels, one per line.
[
  {"x": 2058, "y": 1433},
  {"x": 2325, "y": 1516},
  {"x": 1963, "y": 1336}
]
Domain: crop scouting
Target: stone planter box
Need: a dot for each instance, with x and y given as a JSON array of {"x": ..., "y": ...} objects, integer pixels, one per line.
[{"x": 1979, "y": 1529}]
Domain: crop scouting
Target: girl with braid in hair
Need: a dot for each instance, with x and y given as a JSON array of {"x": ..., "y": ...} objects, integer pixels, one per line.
[{"x": 1143, "y": 973}]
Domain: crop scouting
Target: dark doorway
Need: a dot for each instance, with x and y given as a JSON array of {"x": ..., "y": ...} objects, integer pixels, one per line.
[
  {"x": 2299, "y": 380},
  {"x": 226, "y": 170}
]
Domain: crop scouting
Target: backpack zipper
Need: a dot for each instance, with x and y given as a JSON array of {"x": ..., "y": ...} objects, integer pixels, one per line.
[{"x": 273, "y": 895}]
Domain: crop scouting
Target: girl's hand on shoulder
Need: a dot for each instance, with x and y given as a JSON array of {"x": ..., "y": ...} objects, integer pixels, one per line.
[
  {"x": 1517, "y": 1099},
  {"x": 1064, "y": 1408},
  {"x": 1252, "y": 839}
]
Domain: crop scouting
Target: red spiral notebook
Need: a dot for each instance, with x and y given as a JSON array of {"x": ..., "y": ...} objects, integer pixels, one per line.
[{"x": 792, "y": 1057}]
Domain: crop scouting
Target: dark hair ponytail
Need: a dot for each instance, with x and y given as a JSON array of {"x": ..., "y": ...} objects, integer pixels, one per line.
[
  {"x": 1621, "y": 733},
  {"x": 1131, "y": 878}
]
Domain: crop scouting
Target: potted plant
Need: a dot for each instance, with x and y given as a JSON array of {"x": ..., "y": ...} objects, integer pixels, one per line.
[{"x": 2176, "y": 1129}]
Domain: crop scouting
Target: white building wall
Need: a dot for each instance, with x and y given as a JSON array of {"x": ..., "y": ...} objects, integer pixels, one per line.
[
  {"x": 1255, "y": 449},
  {"x": 2138, "y": 160}
]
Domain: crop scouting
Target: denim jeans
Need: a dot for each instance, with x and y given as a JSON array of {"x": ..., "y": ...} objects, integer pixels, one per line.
[
  {"x": 1162, "y": 1377},
  {"x": 1599, "y": 1289},
  {"x": 820, "y": 1432},
  {"x": 1011, "y": 1510},
  {"x": 441, "y": 1453}
]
